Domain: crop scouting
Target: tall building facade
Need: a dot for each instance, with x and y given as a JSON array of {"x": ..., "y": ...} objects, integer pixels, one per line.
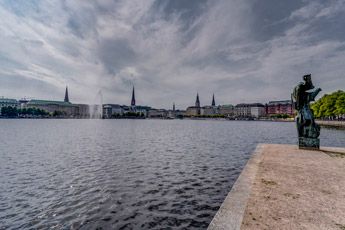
[
  {"x": 250, "y": 110},
  {"x": 280, "y": 107}
]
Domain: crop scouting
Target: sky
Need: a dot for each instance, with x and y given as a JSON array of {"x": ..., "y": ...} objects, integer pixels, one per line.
[{"x": 243, "y": 51}]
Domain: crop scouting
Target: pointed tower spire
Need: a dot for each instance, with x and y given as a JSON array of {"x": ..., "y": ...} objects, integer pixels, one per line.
[
  {"x": 133, "y": 98},
  {"x": 197, "y": 102},
  {"x": 213, "y": 101},
  {"x": 174, "y": 106},
  {"x": 66, "y": 95}
]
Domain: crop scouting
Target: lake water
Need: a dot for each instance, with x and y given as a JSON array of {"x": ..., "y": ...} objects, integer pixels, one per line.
[{"x": 126, "y": 174}]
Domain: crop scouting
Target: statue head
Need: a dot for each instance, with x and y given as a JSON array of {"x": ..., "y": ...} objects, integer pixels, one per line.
[{"x": 308, "y": 82}]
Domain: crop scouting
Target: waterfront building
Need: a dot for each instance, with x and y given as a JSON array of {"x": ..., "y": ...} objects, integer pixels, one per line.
[
  {"x": 213, "y": 101},
  {"x": 280, "y": 107},
  {"x": 257, "y": 110},
  {"x": 194, "y": 110},
  {"x": 157, "y": 113},
  {"x": 71, "y": 110},
  {"x": 242, "y": 110},
  {"x": 209, "y": 110},
  {"x": 176, "y": 113},
  {"x": 228, "y": 110},
  {"x": 110, "y": 109},
  {"x": 142, "y": 110},
  {"x": 8, "y": 102},
  {"x": 250, "y": 110}
]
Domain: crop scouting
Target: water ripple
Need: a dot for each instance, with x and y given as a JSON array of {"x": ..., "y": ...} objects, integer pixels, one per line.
[{"x": 125, "y": 174}]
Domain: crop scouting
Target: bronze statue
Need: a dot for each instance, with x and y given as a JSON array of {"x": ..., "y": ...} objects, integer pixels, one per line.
[{"x": 308, "y": 130}]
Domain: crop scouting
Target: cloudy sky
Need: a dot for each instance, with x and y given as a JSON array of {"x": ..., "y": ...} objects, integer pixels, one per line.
[{"x": 240, "y": 50}]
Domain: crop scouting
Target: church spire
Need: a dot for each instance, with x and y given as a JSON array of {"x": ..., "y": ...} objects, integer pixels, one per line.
[
  {"x": 213, "y": 101},
  {"x": 66, "y": 95},
  {"x": 197, "y": 102},
  {"x": 133, "y": 98},
  {"x": 174, "y": 106}
]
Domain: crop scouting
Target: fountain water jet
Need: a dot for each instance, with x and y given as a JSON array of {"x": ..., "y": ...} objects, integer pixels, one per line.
[{"x": 96, "y": 109}]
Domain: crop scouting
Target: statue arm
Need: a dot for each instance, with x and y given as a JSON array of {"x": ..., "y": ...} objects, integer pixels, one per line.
[{"x": 314, "y": 94}]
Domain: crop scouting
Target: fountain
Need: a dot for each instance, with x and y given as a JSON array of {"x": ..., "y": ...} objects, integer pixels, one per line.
[{"x": 96, "y": 108}]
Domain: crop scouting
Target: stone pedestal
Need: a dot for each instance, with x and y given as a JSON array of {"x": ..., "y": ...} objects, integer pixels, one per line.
[{"x": 308, "y": 143}]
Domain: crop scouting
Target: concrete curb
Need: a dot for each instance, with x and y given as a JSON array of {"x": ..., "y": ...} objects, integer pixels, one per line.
[{"x": 230, "y": 214}]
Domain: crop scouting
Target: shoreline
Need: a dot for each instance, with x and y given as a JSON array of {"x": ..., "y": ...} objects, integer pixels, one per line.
[{"x": 331, "y": 123}]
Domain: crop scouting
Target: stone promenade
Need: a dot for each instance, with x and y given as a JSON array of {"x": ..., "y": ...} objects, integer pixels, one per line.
[{"x": 283, "y": 187}]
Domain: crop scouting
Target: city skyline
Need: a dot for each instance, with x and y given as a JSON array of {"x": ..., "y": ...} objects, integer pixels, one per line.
[{"x": 242, "y": 51}]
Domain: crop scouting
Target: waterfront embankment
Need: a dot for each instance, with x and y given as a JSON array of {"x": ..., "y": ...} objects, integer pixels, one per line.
[
  {"x": 331, "y": 123},
  {"x": 283, "y": 187}
]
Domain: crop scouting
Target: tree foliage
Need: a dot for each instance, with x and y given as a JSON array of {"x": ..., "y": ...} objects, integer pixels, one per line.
[
  {"x": 12, "y": 111},
  {"x": 280, "y": 115},
  {"x": 330, "y": 105}
]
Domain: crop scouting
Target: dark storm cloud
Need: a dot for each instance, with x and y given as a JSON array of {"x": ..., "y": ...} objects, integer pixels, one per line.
[
  {"x": 116, "y": 54},
  {"x": 240, "y": 49}
]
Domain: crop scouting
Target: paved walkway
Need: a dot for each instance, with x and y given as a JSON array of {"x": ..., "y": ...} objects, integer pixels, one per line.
[
  {"x": 297, "y": 189},
  {"x": 283, "y": 187}
]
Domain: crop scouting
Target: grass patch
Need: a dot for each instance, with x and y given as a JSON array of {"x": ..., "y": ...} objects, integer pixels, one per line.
[
  {"x": 268, "y": 182},
  {"x": 341, "y": 226},
  {"x": 326, "y": 192},
  {"x": 293, "y": 196}
]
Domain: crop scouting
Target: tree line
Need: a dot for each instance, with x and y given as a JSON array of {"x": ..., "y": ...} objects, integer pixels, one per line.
[
  {"x": 12, "y": 111},
  {"x": 128, "y": 114},
  {"x": 330, "y": 106}
]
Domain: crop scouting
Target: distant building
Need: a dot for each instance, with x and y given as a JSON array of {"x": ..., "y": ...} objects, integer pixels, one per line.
[
  {"x": 228, "y": 110},
  {"x": 8, "y": 102},
  {"x": 213, "y": 101},
  {"x": 142, "y": 110},
  {"x": 157, "y": 113},
  {"x": 280, "y": 107},
  {"x": 176, "y": 113},
  {"x": 257, "y": 110},
  {"x": 194, "y": 110},
  {"x": 71, "y": 110},
  {"x": 250, "y": 110},
  {"x": 209, "y": 110},
  {"x": 242, "y": 110},
  {"x": 110, "y": 109}
]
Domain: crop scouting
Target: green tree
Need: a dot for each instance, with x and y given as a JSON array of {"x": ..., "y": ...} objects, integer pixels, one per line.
[
  {"x": 9, "y": 111},
  {"x": 329, "y": 105}
]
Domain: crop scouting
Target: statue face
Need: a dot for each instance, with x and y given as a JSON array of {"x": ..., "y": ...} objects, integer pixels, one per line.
[{"x": 308, "y": 82}]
